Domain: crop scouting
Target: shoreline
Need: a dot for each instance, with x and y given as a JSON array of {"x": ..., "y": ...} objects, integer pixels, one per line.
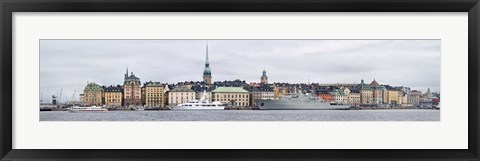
[{"x": 256, "y": 108}]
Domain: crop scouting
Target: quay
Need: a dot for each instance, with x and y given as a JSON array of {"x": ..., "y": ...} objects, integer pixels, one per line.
[{"x": 241, "y": 108}]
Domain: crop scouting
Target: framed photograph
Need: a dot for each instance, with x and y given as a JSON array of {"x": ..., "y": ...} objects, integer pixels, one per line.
[{"x": 235, "y": 80}]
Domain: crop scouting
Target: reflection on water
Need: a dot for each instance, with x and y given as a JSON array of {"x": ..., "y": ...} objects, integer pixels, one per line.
[{"x": 247, "y": 115}]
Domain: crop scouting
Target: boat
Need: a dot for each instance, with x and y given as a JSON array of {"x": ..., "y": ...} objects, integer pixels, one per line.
[
  {"x": 77, "y": 109},
  {"x": 202, "y": 104},
  {"x": 437, "y": 106},
  {"x": 300, "y": 101},
  {"x": 139, "y": 108}
]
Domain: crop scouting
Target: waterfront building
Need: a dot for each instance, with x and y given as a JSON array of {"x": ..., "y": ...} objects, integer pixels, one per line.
[
  {"x": 154, "y": 94},
  {"x": 366, "y": 93},
  {"x": 263, "y": 92},
  {"x": 180, "y": 95},
  {"x": 325, "y": 93},
  {"x": 276, "y": 92},
  {"x": 142, "y": 88},
  {"x": 255, "y": 95},
  {"x": 354, "y": 96},
  {"x": 346, "y": 90},
  {"x": 113, "y": 96},
  {"x": 378, "y": 92},
  {"x": 207, "y": 74},
  {"x": 428, "y": 94},
  {"x": 338, "y": 96},
  {"x": 415, "y": 97},
  {"x": 132, "y": 92},
  {"x": 82, "y": 97},
  {"x": 93, "y": 95},
  {"x": 235, "y": 96},
  {"x": 264, "y": 78},
  {"x": 280, "y": 92},
  {"x": 393, "y": 96},
  {"x": 403, "y": 95}
]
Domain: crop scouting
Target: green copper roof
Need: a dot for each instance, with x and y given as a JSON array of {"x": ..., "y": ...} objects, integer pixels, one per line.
[
  {"x": 230, "y": 90},
  {"x": 181, "y": 89},
  {"x": 93, "y": 87},
  {"x": 207, "y": 72},
  {"x": 154, "y": 84}
]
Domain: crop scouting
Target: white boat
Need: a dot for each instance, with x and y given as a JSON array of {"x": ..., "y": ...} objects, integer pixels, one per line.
[
  {"x": 202, "y": 104},
  {"x": 139, "y": 108},
  {"x": 77, "y": 109}
]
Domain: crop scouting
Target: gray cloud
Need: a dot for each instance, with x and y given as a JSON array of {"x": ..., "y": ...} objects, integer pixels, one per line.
[{"x": 69, "y": 64}]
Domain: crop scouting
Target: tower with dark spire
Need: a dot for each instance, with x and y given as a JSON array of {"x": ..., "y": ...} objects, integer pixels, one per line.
[
  {"x": 207, "y": 74},
  {"x": 264, "y": 78},
  {"x": 126, "y": 74}
]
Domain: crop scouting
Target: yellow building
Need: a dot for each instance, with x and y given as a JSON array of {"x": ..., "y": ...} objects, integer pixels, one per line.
[
  {"x": 279, "y": 91},
  {"x": 366, "y": 93},
  {"x": 113, "y": 96},
  {"x": 235, "y": 96},
  {"x": 132, "y": 92},
  {"x": 354, "y": 98},
  {"x": 180, "y": 95},
  {"x": 93, "y": 95},
  {"x": 392, "y": 96},
  {"x": 154, "y": 95}
]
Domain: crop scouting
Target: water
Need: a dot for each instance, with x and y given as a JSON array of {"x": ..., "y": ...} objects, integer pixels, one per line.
[{"x": 247, "y": 115}]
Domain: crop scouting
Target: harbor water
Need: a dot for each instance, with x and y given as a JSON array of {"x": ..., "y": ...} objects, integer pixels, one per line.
[{"x": 248, "y": 115}]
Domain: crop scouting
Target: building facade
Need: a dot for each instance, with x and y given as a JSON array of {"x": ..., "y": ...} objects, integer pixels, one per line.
[
  {"x": 354, "y": 98},
  {"x": 132, "y": 92},
  {"x": 366, "y": 93},
  {"x": 339, "y": 97},
  {"x": 154, "y": 94},
  {"x": 378, "y": 92},
  {"x": 234, "y": 96},
  {"x": 113, "y": 96},
  {"x": 415, "y": 97},
  {"x": 261, "y": 93},
  {"x": 393, "y": 96},
  {"x": 93, "y": 94},
  {"x": 180, "y": 95}
]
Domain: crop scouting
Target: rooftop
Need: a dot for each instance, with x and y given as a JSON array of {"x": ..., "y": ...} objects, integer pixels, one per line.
[
  {"x": 153, "y": 84},
  {"x": 93, "y": 86},
  {"x": 230, "y": 90},
  {"x": 181, "y": 89}
]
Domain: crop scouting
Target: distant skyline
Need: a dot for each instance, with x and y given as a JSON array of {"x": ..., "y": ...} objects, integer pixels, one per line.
[{"x": 69, "y": 64}]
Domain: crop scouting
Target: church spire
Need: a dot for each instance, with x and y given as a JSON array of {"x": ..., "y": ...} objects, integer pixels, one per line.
[
  {"x": 207, "y": 74},
  {"x": 126, "y": 74},
  {"x": 206, "y": 58},
  {"x": 264, "y": 78}
]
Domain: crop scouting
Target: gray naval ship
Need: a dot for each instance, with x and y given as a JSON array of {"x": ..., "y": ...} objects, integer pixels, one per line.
[{"x": 299, "y": 102}]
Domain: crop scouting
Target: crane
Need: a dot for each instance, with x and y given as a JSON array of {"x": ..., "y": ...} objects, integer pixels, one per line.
[
  {"x": 73, "y": 96},
  {"x": 60, "y": 95}
]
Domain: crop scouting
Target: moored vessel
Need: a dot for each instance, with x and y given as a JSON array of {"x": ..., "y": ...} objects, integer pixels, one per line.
[
  {"x": 76, "y": 109},
  {"x": 202, "y": 104},
  {"x": 299, "y": 102}
]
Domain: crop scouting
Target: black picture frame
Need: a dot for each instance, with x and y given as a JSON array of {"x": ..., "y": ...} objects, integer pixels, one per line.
[{"x": 7, "y": 7}]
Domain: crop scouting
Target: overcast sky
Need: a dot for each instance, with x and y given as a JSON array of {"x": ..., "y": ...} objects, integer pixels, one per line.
[{"x": 69, "y": 64}]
